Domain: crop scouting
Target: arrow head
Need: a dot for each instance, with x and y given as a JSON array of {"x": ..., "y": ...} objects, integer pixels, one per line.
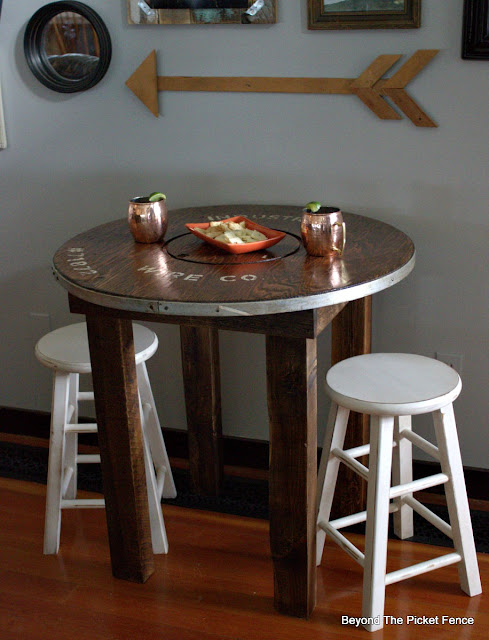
[
  {"x": 144, "y": 83},
  {"x": 372, "y": 89},
  {"x": 375, "y": 71},
  {"x": 410, "y": 68},
  {"x": 393, "y": 87}
]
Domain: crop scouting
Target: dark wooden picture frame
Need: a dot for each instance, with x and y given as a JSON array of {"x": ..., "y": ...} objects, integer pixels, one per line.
[
  {"x": 164, "y": 12},
  {"x": 475, "y": 30},
  {"x": 356, "y": 16},
  {"x": 202, "y": 4}
]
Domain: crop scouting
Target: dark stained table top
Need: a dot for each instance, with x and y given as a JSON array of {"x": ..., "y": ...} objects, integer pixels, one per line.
[{"x": 185, "y": 276}]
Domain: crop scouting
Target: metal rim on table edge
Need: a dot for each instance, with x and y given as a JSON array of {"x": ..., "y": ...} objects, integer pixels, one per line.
[{"x": 261, "y": 307}]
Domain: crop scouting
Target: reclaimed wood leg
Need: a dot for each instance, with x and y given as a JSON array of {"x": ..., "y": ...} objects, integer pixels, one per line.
[
  {"x": 292, "y": 408},
  {"x": 351, "y": 335},
  {"x": 121, "y": 446},
  {"x": 201, "y": 376}
]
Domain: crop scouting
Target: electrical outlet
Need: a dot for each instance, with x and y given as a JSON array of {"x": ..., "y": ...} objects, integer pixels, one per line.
[{"x": 453, "y": 360}]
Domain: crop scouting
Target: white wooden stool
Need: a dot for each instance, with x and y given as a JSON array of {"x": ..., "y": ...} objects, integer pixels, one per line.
[
  {"x": 391, "y": 388},
  {"x": 66, "y": 351}
]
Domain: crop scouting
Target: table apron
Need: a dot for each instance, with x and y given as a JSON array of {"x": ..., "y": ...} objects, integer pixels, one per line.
[{"x": 294, "y": 324}]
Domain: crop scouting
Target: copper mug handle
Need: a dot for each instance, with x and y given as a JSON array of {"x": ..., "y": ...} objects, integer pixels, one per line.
[{"x": 339, "y": 250}]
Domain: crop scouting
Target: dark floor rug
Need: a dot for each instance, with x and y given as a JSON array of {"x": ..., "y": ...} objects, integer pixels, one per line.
[{"x": 240, "y": 496}]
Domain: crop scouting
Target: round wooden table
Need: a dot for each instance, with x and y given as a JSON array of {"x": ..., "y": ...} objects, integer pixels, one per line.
[{"x": 282, "y": 293}]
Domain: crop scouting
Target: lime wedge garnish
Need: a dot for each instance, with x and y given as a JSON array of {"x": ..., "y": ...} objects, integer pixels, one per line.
[
  {"x": 156, "y": 196},
  {"x": 313, "y": 206}
]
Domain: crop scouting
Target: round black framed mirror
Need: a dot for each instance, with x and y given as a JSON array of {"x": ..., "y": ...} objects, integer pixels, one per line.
[{"x": 67, "y": 46}]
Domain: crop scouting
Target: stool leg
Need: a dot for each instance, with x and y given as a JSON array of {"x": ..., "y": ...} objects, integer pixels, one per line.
[
  {"x": 159, "y": 538},
  {"x": 71, "y": 439},
  {"x": 59, "y": 409},
  {"x": 457, "y": 503},
  {"x": 379, "y": 477},
  {"x": 328, "y": 469},
  {"x": 154, "y": 434},
  {"x": 402, "y": 472}
]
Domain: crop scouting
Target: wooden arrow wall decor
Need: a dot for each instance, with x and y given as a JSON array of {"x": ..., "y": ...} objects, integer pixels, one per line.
[{"x": 370, "y": 86}]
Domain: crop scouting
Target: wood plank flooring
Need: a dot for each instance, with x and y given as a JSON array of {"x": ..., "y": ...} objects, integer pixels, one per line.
[{"x": 216, "y": 583}]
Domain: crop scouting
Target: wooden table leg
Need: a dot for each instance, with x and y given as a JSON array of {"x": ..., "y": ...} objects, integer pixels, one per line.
[
  {"x": 121, "y": 447},
  {"x": 352, "y": 336},
  {"x": 292, "y": 407},
  {"x": 201, "y": 375}
]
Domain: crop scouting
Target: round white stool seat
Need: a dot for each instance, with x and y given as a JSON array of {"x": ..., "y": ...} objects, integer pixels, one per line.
[
  {"x": 392, "y": 384},
  {"x": 67, "y": 348}
]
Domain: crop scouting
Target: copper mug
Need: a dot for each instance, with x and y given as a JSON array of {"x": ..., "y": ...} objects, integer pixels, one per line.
[
  {"x": 323, "y": 232},
  {"x": 148, "y": 221}
]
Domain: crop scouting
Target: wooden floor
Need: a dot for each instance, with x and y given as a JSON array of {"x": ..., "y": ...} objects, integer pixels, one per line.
[{"x": 216, "y": 583}]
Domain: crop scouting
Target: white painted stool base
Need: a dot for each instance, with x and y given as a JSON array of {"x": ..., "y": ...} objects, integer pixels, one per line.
[
  {"x": 390, "y": 449},
  {"x": 61, "y": 490}
]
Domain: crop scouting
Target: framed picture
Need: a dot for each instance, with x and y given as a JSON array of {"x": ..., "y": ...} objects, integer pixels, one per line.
[
  {"x": 201, "y": 11},
  {"x": 475, "y": 31},
  {"x": 363, "y": 14}
]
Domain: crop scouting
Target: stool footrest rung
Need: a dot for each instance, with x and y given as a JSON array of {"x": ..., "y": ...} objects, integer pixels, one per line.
[
  {"x": 421, "y": 443},
  {"x": 343, "y": 542},
  {"x": 361, "y": 516},
  {"x": 418, "y": 485},
  {"x": 86, "y": 458},
  {"x": 422, "y": 567},
  {"x": 85, "y": 395},
  {"x": 88, "y": 427},
  {"x": 83, "y": 503},
  {"x": 362, "y": 450},
  {"x": 356, "y": 518},
  {"x": 358, "y": 452},
  {"x": 427, "y": 514},
  {"x": 350, "y": 462}
]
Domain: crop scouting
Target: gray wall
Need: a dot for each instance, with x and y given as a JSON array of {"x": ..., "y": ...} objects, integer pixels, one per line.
[{"x": 74, "y": 160}]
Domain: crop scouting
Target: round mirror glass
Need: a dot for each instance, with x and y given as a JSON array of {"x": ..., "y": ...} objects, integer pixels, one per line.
[
  {"x": 71, "y": 45},
  {"x": 67, "y": 46}
]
